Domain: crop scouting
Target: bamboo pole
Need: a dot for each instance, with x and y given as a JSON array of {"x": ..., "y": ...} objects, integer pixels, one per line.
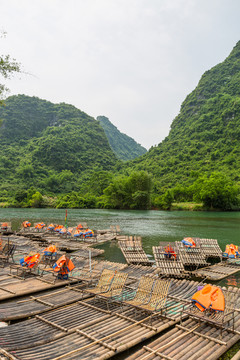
[
  {"x": 7, "y": 354},
  {"x": 166, "y": 345},
  {"x": 102, "y": 339},
  {"x": 236, "y": 356},
  {"x": 204, "y": 336}
]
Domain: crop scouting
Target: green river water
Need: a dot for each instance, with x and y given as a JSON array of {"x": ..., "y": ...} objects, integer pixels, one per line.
[{"x": 152, "y": 226}]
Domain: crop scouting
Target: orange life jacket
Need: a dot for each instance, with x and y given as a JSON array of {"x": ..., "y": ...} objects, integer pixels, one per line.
[
  {"x": 209, "y": 297},
  {"x": 26, "y": 224},
  {"x": 63, "y": 265}
]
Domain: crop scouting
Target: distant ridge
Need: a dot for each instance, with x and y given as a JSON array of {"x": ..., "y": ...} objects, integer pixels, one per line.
[{"x": 124, "y": 147}]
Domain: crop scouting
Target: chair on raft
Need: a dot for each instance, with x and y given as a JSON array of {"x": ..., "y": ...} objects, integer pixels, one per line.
[
  {"x": 115, "y": 291},
  {"x": 143, "y": 292},
  {"x": 29, "y": 265},
  {"x": 103, "y": 284},
  {"x": 224, "y": 318},
  {"x": 158, "y": 296},
  {"x": 50, "y": 255},
  {"x": 116, "y": 286},
  {"x": 60, "y": 269},
  {"x": 6, "y": 253},
  {"x": 150, "y": 298}
]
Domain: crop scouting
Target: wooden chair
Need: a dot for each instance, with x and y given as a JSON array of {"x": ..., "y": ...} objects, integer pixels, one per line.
[
  {"x": 225, "y": 320},
  {"x": 7, "y": 253},
  {"x": 158, "y": 296},
  {"x": 116, "y": 286},
  {"x": 104, "y": 282},
  {"x": 143, "y": 292},
  {"x": 23, "y": 271}
]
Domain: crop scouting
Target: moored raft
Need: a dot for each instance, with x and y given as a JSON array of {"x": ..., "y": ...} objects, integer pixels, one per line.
[
  {"x": 210, "y": 248},
  {"x": 191, "y": 257},
  {"x": 191, "y": 340},
  {"x": 40, "y": 303},
  {"x": 217, "y": 271},
  {"x": 168, "y": 260},
  {"x": 133, "y": 251},
  {"x": 87, "y": 327}
]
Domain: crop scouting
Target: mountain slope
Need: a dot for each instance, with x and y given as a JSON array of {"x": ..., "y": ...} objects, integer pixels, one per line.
[
  {"x": 124, "y": 147},
  {"x": 39, "y": 139},
  {"x": 205, "y": 136}
]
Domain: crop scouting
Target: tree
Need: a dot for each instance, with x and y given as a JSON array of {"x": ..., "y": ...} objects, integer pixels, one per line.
[
  {"x": 8, "y": 67},
  {"x": 216, "y": 191},
  {"x": 129, "y": 192},
  {"x": 37, "y": 200}
]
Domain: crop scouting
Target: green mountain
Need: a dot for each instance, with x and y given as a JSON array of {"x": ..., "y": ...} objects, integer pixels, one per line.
[
  {"x": 49, "y": 146},
  {"x": 124, "y": 147},
  {"x": 205, "y": 136}
]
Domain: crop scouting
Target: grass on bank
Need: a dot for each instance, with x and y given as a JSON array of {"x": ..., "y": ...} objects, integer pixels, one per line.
[{"x": 187, "y": 206}]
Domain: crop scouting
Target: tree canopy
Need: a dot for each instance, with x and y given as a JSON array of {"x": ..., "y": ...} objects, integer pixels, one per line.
[{"x": 8, "y": 67}]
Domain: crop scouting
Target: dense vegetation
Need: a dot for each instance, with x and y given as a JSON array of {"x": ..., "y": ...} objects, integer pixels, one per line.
[
  {"x": 49, "y": 147},
  {"x": 124, "y": 147},
  {"x": 56, "y": 155},
  {"x": 204, "y": 137}
]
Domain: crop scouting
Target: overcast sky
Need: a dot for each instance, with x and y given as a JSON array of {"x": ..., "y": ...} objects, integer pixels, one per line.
[{"x": 133, "y": 61}]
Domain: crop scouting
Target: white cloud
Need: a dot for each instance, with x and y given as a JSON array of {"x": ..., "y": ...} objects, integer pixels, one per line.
[{"x": 131, "y": 60}]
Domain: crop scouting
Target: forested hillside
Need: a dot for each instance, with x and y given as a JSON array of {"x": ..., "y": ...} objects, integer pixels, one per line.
[
  {"x": 205, "y": 136},
  {"x": 47, "y": 146},
  {"x": 124, "y": 147}
]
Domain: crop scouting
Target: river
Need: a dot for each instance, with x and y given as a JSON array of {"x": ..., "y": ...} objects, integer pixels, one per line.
[{"x": 152, "y": 226}]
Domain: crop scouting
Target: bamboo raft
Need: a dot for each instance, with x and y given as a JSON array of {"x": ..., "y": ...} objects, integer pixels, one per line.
[
  {"x": 191, "y": 340},
  {"x": 136, "y": 271},
  {"x": 133, "y": 251},
  {"x": 235, "y": 262},
  {"x": 191, "y": 258},
  {"x": 11, "y": 287},
  {"x": 84, "y": 252},
  {"x": 86, "y": 329},
  {"x": 33, "y": 305},
  {"x": 209, "y": 247},
  {"x": 217, "y": 271},
  {"x": 168, "y": 266}
]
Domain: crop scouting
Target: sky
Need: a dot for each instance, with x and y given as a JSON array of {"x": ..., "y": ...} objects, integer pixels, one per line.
[{"x": 133, "y": 61}]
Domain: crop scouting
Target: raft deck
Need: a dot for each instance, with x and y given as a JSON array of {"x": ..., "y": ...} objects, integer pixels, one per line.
[
  {"x": 191, "y": 340},
  {"x": 217, "y": 271},
  {"x": 168, "y": 266},
  {"x": 210, "y": 248},
  {"x": 191, "y": 258},
  {"x": 87, "y": 329},
  {"x": 133, "y": 251}
]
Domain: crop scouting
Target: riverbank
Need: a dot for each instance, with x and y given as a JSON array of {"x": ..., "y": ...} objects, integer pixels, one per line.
[
  {"x": 180, "y": 206},
  {"x": 187, "y": 206}
]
